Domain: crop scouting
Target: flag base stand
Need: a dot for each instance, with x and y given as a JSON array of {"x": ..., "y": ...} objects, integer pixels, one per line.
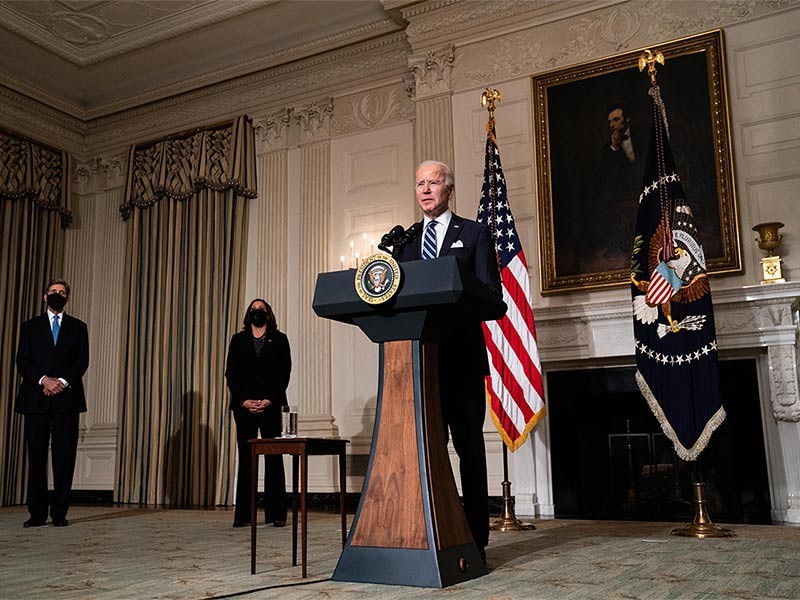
[
  {"x": 702, "y": 526},
  {"x": 508, "y": 521}
]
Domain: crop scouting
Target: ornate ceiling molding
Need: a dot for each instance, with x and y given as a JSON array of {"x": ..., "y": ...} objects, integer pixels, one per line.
[
  {"x": 87, "y": 33},
  {"x": 382, "y": 58},
  {"x": 463, "y": 22},
  {"x": 27, "y": 116}
]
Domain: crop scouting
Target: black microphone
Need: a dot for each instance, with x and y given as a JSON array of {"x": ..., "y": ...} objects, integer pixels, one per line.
[
  {"x": 410, "y": 234},
  {"x": 390, "y": 238}
]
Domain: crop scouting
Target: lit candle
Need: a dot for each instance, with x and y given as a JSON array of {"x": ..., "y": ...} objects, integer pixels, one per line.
[
  {"x": 371, "y": 246},
  {"x": 341, "y": 262}
]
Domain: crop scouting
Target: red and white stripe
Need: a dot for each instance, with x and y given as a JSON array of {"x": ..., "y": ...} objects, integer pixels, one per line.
[
  {"x": 514, "y": 386},
  {"x": 660, "y": 290}
]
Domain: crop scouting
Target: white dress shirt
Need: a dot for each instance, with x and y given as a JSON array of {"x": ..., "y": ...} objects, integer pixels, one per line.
[{"x": 443, "y": 221}]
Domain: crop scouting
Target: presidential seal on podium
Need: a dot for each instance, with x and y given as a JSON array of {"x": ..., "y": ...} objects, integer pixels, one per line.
[{"x": 377, "y": 278}]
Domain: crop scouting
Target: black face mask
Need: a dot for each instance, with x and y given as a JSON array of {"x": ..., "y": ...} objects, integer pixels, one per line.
[
  {"x": 56, "y": 301},
  {"x": 258, "y": 317}
]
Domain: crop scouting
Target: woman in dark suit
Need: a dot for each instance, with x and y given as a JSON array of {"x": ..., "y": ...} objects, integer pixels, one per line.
[{"x": 257, "y": 371}]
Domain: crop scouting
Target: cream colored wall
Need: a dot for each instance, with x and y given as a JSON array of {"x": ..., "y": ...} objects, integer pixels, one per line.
[{"x": 371, "y": 192}]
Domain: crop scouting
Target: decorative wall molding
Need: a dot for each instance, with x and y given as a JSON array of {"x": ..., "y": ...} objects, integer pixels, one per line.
[
  {"x": 596, "y": 31},
  {"x": 783, "y": 367},
  {"x": 770, "y": 135},
  {"x": 757, "y": 71},
  {"x": 272, "y": 130},
  {"x": 677, "y": 19},
  {"x": 374, "y": 108},
  {"x": 314, "y": 119},
  {"x": 616, "y": 28},
  {"x": 432, "y": 73}
]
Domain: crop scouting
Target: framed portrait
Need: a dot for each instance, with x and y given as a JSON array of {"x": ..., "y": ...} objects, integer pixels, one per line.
[{"x": 592, "y": 126}]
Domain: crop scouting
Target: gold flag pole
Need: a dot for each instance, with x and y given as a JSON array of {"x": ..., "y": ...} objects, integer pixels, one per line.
[
  {"x": 508, "y": 521},
  {"x": 701, "y": 526}
]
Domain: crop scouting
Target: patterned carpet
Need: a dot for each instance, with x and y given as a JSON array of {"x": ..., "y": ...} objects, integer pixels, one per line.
[{"x": 120, "y": 553}]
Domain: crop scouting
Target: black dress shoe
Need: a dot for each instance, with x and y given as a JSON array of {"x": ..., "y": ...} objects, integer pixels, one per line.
[
  {"x": 34, "y": 523},
  {"x": 60, "y": 522},
  {"x": 241, "y": 523},
  {"x": 279, "y": 522}
]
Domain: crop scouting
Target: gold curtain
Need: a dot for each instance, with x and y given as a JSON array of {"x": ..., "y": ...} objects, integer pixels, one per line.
[
  {"x": 34, "y": 192},
  {"x": 186, "y": 262}
]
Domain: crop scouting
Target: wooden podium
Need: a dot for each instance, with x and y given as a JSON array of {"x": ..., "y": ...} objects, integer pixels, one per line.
[{"x": 410, "y": 528}]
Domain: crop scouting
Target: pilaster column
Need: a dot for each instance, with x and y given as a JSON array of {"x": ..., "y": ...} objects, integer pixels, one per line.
[
  {"x": 268, "y": 223},
  {"x": 95, "y": 265},
  {"x": 434, "y": 110},
  {"x": 313, "y": 351},
  {"x": 784, "y": 366}
]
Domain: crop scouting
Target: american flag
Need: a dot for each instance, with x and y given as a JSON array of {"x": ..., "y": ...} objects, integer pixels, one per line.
[{"x": 514, "y": 388}]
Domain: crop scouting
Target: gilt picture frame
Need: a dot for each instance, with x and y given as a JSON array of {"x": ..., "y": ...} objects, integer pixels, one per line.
[{"x": 588, "y": 190}]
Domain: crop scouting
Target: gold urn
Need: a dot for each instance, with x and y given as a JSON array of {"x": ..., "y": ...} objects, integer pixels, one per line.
[{"x": 770, "y": 240}]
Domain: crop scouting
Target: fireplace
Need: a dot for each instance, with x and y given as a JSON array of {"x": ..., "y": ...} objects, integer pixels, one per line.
[{"x": 610, "y": 459}]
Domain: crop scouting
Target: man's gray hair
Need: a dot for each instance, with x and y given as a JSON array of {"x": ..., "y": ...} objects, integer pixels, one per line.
[
  {"x": 56, "y": 281},
  {"x": 449, "y": 179}
]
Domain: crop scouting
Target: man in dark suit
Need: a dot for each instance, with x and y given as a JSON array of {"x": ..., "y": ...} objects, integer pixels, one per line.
[
  {"x": 463, "y": 362},
  {"x": 52, "y": 357},
  {"x": 609, "y": 228}
]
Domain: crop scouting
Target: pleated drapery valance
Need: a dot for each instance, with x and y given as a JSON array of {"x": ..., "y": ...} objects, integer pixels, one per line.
[
  {"x": 36, "y": 172},
  {"x": 217, "y": 158}
]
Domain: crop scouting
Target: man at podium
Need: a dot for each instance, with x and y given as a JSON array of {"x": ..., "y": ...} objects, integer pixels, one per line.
[{"x": 463, "y": 361}]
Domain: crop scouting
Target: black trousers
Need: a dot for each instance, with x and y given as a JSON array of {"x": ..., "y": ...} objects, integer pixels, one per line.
[
  {"x": 463, "y": 396},
  {"x": 248, "y": 426},
  {"x": 39, "y": 428}
]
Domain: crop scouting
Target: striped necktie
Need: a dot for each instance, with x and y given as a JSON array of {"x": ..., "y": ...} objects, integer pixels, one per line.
[
  {"x": 429, "y": 241},
  {"x": 56, "y": 329}
]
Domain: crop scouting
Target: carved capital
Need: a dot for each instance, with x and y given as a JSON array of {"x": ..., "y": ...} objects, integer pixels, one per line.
[
  {"x": 315, "y": 120},
  {"x": 272, "y": 131},
  {"x": 116, "y": 167},
  {"x": 785, "y": 397},
  {"x": 100, "y": 173},
  {"x": 433, "y": 72}
]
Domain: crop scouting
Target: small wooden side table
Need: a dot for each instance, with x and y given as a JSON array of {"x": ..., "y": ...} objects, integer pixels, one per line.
[{"x": 300, "y": 448}]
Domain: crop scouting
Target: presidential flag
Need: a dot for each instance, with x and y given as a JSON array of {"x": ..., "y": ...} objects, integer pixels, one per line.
[
  {"x": 514, "y": 388},
  {"x": 673, "y": 319}
]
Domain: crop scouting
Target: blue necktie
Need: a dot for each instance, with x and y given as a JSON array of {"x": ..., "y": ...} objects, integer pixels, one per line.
[
  {"x": 56, "y": 328},
  {"x": 429, "y": 241}
]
